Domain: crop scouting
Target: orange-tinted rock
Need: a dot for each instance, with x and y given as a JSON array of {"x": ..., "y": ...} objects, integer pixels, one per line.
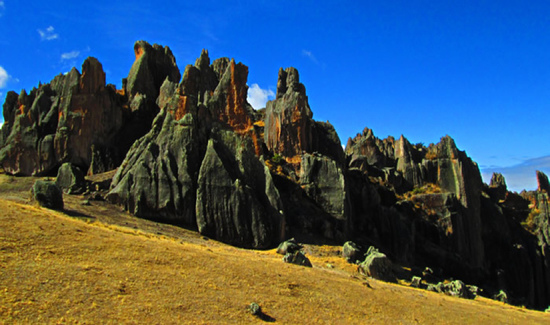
[{"x": 288, "y": 119}]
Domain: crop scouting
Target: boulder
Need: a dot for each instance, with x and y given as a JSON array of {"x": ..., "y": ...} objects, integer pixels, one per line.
[
  {"x": 501, "y": 296},
  {"x": 378, "y": 266},
  {"x": 289, "y": 246},
  {"x": 71, "y": 179},
  {"x": 416, "y": 282},
  {"x": 351, "y": 252},
  {"x": 456, "y": 288},
  {"x": 48, "y": 195},
  {"x": 297, "y": 258}
]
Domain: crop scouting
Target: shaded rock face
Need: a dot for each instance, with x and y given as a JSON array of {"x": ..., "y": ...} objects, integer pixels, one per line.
[
  {"x": 77, "y": 118},
  {"x": 198, "y": 166},
  {"x": 467, "y": 229},
  {"x": 542, "y": 180},
  {"x": 497, "y": 187},
  {"x": 415, "y": 166}
]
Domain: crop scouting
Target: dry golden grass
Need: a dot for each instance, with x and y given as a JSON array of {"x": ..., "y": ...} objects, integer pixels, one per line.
[{"x": 60, "y": 269}]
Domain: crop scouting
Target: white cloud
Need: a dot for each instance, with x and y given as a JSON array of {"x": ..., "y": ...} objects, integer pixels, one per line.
[
  {"x": 310, "y": 55},
  {"x": 70, "y": 55},
  {"x": 48, "y": 34},
  {"x": 257, "y": 97},
  {"x": 4, "y": 76}
]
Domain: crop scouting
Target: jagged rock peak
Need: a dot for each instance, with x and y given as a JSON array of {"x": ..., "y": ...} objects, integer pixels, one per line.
[
  {"x": 289, "y": 80},
  {"x": 203, "y": 61},
  {"x": 542, "y": 180},
  {"x": 152, "y": 66},
  {"x": 92, "y": 79},
  {"x": 498, "y": 180},
  {"x": 446, "y": 148}
]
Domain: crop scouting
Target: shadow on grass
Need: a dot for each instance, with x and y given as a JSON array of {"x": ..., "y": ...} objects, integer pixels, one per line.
[
  {"x": 265, "y": 317},
  {"x": 78, "y": 215}
]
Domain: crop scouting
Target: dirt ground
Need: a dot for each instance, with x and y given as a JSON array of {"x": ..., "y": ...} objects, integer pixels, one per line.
[{"x": 97, "y": 264}]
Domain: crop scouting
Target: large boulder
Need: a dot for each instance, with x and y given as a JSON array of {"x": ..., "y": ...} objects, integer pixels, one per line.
[
  {"x": 48, "y": 195},
  {"x": 297, "y": 258},
  {"x": 71, "y": 179},
  {"x": 289, "y": 246},
  {"x": 377, "y": 265}
]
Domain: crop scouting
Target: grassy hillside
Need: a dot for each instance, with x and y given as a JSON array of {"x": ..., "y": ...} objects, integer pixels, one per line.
[{"x": 96, "y": 264}]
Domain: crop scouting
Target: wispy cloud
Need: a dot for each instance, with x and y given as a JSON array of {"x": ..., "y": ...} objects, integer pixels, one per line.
[
  {"x": 48, "y": 34},
  {"x": 310, "y": 56},
  {"x": 521, "y": 176},
  {"x": 258, "y": 97},
  {"x": 2, "y": 7},
  {"x": 70, "y": 55},
  {"x": 4, "y": 76}
]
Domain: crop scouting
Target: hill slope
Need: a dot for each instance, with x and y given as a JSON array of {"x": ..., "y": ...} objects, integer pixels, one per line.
[{"x": 57, "y": 268}]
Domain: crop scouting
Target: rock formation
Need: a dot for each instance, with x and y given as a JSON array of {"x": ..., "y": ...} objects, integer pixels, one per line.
[
  {"x": 199, "y": 164},
  {"x": 193, "y": 152},
  {"x": 77, "y": 118}
]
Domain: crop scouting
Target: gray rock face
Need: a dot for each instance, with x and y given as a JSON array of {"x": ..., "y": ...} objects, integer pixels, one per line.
[
  {"x": 377, "y": 265},
  {"x": 48, "y": 195},
  {"x": 71, "y": 179},
  {"x": 233, "y": 195},
  {"x": 323, "y": 181}
]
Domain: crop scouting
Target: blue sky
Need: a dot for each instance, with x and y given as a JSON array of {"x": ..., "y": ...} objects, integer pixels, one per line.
[{"x": 478, "y": 71}]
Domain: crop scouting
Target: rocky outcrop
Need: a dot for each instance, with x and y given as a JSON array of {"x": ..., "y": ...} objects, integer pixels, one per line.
[
  {"x": 77, "y": 118},
  {"x": 288, "y": 119},
  {"x": 198, "y": 166},
  {"x": 543, "y": 184}
]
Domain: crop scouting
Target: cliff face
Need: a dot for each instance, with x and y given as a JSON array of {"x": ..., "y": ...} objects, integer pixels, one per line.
[{"x": 193, "y": 152}]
